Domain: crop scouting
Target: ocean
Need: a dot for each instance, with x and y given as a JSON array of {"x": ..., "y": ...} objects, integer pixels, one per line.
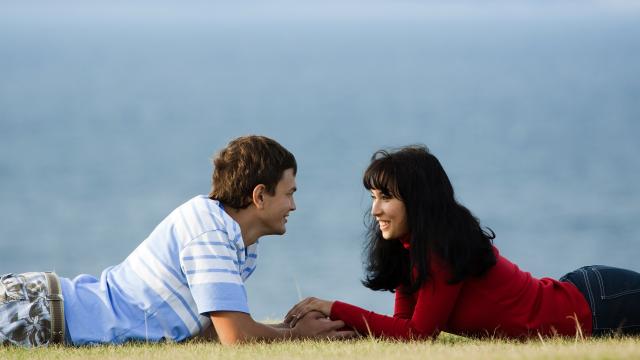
[{"x": 110, "y": 115}]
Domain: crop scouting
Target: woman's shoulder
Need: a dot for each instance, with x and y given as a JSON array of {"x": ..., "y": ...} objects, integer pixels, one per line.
[{"x": 505, "y": 268}]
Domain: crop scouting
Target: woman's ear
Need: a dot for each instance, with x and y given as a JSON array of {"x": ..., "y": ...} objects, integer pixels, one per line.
[{"x": 258, "y": 196}]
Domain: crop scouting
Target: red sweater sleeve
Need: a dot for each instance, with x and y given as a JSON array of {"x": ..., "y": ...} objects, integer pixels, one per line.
[
  {"x": 435, "y": 302},
  {"x": 404, "y": 305}
]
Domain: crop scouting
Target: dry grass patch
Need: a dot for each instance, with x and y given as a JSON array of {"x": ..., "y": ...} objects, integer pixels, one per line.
[{"x": 447, "y": 347}]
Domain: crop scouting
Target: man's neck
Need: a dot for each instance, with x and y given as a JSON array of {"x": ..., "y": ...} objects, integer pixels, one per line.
[{"x": 249, "y": 226}]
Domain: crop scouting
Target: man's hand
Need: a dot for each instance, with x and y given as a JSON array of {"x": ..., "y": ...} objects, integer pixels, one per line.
[
  {"x": 317, "y": 325},
  {"x": 305, "y": 306}
]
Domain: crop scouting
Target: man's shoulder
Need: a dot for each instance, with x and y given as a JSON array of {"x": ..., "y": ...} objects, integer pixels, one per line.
[
  {"x": 196, "y": 220},
  {"x": 203, "y": 208}
]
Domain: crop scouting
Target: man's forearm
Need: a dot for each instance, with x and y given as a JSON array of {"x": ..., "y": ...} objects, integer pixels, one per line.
[
  {"x": 280, "y": 326},
  {"x": 235, "y": 328},
  {"x": 238, "y": 327},
  {"x": 265, "y": 332}
]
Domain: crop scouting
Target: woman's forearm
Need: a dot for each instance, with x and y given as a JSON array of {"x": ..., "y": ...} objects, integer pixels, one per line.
[{"x": 370, "y": 323}]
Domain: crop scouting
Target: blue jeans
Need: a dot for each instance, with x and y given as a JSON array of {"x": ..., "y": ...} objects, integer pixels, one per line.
[{"x": 613, "y": 295}]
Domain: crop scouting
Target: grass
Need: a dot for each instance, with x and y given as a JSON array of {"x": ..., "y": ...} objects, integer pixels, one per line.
[{"x": 445, "y": 347}]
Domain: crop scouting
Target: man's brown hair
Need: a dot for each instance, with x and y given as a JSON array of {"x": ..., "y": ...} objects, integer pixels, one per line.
[{"x": 245, "y": 163}]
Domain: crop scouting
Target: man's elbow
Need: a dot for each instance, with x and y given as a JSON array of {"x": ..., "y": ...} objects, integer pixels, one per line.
[
  {"x": 233, "y": 328},
  {"x": 234, "y": 336}
]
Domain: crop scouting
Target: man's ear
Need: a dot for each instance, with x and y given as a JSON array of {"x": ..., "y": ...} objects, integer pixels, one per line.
[{"x": 258, "y": 196}]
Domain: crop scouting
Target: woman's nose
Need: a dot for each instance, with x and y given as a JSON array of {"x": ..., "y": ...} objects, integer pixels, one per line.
[{"x": 375, "y": 208}]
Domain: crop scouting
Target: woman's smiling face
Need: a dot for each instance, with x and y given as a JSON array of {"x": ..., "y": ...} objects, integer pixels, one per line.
[{"x": 390, "y": 213}]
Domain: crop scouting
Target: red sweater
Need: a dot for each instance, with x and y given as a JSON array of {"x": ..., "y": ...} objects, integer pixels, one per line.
[{"x": 505, "y": 302}]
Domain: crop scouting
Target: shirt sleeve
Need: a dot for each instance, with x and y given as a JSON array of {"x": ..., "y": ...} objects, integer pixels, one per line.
[
  {"x": 211, "y": 265},
  {"x": 435, "y": 302},
  {"x": 404, "y": 304}
]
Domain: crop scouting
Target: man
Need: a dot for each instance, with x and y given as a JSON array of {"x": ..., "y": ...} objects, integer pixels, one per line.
[{"x": 188, "y": 274}]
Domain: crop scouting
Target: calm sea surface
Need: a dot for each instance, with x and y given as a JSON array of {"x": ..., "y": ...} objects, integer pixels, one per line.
[{"x": 108, "y": 122}]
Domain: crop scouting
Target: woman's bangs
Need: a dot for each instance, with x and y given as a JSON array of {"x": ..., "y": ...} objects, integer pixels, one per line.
[{"x": 381, "y": 176}]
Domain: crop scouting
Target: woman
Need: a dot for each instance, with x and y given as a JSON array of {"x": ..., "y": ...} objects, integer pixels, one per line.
[{"x": 447, "y": 276}]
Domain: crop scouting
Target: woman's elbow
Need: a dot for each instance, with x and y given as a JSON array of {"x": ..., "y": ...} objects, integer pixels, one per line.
[{"x": 416, "y": 334}]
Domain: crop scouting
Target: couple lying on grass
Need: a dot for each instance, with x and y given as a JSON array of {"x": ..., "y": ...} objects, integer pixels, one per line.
[{"x": 423, "y": 245}]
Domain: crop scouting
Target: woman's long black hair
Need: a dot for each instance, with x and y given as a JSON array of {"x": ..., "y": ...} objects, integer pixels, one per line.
[{"x": 438, "y": 224}]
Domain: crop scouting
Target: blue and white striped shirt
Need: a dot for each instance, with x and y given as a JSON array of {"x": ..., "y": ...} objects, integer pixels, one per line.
[{"x": 193, "y": 262}]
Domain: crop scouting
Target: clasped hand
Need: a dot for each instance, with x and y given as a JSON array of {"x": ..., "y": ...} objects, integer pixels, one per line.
[
  {"x": 309, "y": 318},
  {"x": 305, "y": 306}
]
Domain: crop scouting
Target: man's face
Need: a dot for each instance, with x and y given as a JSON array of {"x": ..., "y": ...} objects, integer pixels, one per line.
[{"x": 277, "y": 206}]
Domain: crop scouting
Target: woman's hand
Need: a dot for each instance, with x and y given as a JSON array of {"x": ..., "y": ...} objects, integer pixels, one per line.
[
  {"x": 316, "y": 325},
  {"x": 303, "y": 307}
]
